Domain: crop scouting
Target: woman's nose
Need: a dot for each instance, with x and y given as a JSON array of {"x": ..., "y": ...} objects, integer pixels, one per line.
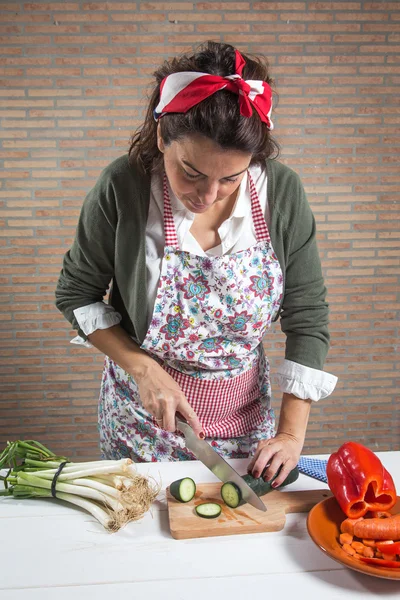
[{"x": 208, "y": 192}]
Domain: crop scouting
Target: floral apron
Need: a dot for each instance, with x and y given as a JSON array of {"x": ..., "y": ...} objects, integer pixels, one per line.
[{"x": 209, "y": 318}]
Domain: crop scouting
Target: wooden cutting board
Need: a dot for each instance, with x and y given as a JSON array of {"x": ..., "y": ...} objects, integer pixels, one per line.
[{"x": 185, "y": 523}]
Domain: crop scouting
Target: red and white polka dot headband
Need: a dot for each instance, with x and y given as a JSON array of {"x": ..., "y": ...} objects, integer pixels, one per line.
[{"x": 180, "y": 91}]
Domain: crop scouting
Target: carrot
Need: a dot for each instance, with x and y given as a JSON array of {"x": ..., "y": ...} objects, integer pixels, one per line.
[
  {"x": 368, "y": 552},
  {"x": 358, "y": 547},
  {"x": 347, "y": 525},
  {"x": 345, "y": 538},
  {"x": 388, "y": 556},
  {"x": 378, "y": 529},
  {"x": 347, "y": 548},
  {"x": 370, "y": 543}
]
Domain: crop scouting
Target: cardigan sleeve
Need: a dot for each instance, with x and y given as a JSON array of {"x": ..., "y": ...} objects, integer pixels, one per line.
[
  {"x": 304, "y": 311},
  {"x": 88, "y": 267}
]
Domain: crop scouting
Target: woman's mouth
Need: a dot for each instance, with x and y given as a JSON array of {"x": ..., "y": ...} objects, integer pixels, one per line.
[{"x": 198, "y": 205}]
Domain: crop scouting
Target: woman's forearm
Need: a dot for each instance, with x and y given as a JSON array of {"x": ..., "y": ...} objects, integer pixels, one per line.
[
  {"x": 122, "y": 349},
  {"x": 294, "y": 416}
]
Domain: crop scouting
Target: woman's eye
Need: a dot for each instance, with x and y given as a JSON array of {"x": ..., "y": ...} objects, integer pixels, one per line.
[{"x": 190, "y": 176}]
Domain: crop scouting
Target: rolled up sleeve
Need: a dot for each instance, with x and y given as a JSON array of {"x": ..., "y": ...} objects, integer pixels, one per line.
[{"x": 304, "y": 382}]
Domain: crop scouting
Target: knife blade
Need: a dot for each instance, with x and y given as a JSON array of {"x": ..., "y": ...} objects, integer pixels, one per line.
[{"x": 217, "y": 465}]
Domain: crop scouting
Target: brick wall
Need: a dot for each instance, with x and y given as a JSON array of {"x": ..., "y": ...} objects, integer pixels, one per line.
[{"x": 72, "y": 87}]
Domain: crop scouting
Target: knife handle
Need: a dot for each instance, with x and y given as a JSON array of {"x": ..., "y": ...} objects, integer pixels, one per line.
[{"x": 180, "y": 418}]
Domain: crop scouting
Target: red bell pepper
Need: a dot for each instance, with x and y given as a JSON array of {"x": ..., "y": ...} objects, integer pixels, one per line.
[
  {"x": 359, "y": 481},
  {"x": 381, "y": 562},
  {"x": 393, "y": 548}
]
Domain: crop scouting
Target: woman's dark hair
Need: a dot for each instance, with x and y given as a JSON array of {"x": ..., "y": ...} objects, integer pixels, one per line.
[{"x": 217, "y": 117}]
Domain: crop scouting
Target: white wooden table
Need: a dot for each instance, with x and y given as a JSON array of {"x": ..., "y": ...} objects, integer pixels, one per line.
[{"x": 53, "y": 551}]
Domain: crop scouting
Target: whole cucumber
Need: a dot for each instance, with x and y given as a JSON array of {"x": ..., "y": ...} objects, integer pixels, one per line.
[{"x": 261, "y": 487}]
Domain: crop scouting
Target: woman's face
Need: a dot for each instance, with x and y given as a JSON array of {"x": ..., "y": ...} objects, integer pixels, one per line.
[{"x": 200, "y": 173}]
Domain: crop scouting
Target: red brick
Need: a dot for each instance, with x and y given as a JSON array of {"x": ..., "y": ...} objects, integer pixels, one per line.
[
  {"x": 274, "y": 6},
  {"x": 330, "y": 27},
  {"x": 173, "y": 6}
]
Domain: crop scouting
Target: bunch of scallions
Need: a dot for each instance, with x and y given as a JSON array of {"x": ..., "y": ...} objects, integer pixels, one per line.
[{"x": 111, "y": 490}]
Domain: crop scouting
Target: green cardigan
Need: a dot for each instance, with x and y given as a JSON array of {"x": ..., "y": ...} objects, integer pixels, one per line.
[{"x": 110, "y": 247}]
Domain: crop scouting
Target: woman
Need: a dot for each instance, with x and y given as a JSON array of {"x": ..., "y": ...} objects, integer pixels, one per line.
[{"x": 206, "y": 241}]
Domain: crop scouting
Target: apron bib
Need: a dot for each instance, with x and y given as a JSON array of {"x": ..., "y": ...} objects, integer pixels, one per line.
[{"x": 209, "y": 318}]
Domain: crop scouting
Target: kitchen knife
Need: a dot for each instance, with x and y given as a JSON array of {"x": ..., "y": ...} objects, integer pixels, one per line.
[{"x": 221, "y": 469}]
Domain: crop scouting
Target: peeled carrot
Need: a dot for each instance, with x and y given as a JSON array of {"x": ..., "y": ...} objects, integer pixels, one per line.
[
  {"x": 388, "y": 556},
  {"x": 370, "y": 543},
  {"x": 378, "y": 529},
  {"x": 368, "y": 552},
  {"x": 345, "y": 538},
  {"x": 347, "y": 526},
  {"x": 347, "y": 548},
  {"x": 358, "y": 547}
]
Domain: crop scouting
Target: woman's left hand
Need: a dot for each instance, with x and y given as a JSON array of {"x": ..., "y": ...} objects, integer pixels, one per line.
[{"x": 282, "y": 450}]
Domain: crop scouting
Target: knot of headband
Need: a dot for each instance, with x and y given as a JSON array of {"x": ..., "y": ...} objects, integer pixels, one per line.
[{"x": 180, "y": 91}]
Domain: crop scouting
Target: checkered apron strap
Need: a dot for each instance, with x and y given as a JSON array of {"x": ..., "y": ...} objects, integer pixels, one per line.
[
  {"x": 260, "y": 225},
  {"x": 171, "y": 239}
]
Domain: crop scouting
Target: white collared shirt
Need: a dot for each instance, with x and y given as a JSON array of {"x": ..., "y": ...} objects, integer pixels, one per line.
[{"x": 236, "y": 233}]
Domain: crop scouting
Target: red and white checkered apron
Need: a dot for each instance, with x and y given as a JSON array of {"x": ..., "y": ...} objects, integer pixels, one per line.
[{"x": 209, "y": 318}]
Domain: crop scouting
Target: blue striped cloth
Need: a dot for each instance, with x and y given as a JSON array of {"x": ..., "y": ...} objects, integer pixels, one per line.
[{"x": 313, "y": 467}]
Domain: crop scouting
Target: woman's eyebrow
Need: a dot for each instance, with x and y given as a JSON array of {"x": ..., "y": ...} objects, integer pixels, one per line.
[{"x": 200, "y": 173}]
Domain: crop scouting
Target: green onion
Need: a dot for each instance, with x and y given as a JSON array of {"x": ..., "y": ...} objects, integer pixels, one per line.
[{"x": 111, "y": 490}]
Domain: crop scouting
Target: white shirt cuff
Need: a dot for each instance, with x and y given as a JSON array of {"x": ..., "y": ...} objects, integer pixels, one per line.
[
  {"x": 80, "y": 341},
  {"x": 95, "y": 316},
  {"x": 304, "y": 382}
]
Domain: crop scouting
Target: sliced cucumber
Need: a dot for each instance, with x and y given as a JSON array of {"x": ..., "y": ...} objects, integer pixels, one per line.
[
  {"x": 208, "y": 510},
  {"x": 231, "y": 494},
  {"x": 183, "y": 489}
]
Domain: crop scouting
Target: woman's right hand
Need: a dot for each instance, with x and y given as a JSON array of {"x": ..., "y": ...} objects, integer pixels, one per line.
[{"x": 162, "y": 397}]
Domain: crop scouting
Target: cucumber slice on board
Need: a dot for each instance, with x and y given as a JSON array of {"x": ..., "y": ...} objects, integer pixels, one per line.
[
  {"x": 231, "y": 494},
  {"x": 208, "y": 510},
  {"x": 183, "y": 490}
]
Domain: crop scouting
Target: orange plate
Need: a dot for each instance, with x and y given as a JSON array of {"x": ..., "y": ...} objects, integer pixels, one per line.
[{"x": 323, "y": 524}]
